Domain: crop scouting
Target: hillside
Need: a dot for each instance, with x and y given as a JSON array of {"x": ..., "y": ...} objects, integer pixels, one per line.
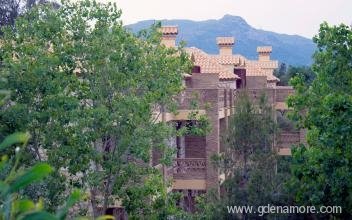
[{"x": 290, "y": 49}]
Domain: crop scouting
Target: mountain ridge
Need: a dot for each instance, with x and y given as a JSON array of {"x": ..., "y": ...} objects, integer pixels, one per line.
[{"x": 290, "y": 49}]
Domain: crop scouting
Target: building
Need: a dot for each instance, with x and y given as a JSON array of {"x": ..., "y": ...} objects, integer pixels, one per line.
[{"x": 215, "y": 79}]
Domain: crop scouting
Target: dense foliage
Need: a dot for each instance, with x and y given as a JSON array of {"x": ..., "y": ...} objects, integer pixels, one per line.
[
  {"x": 11, "y": 9},
  {"x": 322, "y": 170},
  {"x": 285, "y": 73},
  {"x": 92, "y": 95},
  {"x": 87, "y": 90},
  {"x": 248, "y": 160}
]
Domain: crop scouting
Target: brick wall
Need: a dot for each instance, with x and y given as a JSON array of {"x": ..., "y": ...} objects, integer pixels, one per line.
[
  {"x": 228, "y": 84},
  {"x": 212, "y": 139},
  {"x": 256, "y": 82},
  {"x": 222, "y": 132},
  {"x": 204, "y": 80},
  {"x": 194, "y": 147}
]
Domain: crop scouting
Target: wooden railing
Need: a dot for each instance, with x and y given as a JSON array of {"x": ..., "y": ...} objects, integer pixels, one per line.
[
  {"x": 190, "y": 97},
  {"x": 256, "y": 94},
  {"x": 196, "y": 98},
  {"x": 287, "y": 139},
  {"x": 189, "y": 168}
]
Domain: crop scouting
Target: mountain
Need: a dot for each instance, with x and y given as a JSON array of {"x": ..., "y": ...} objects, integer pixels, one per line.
[{"x": 290, "y": 49}]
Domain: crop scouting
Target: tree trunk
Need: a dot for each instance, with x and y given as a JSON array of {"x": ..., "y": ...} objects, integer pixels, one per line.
[
  {"x": 94, "y": 203},
  {"x": 106, "y": 194}
]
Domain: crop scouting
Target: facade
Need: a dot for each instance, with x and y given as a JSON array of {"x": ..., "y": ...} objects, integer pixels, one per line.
[{"x": 216, "y": 78}]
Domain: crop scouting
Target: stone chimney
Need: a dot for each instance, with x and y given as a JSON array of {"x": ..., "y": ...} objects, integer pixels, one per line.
[
  {"x": 225, "y": 45},
  {"x": 169, "y": 34},
  {"x": 264, "y": 53}
]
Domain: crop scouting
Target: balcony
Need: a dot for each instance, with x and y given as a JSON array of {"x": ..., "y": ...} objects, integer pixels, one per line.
[
  {"x": 256, "y": 94},
  {"x": 189, "y": 168},
  {"x": 286, "y": 140},
  {"x": 191, "y": 98}
]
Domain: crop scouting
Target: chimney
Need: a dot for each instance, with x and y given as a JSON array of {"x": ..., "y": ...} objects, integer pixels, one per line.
[
  {"x": 264, "y": 53},
  {"x": 225, "y": 45},
  {"x": 169, "y": 34}
]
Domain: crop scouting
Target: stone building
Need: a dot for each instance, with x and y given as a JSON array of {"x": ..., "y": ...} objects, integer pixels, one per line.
[{"x": 216, "y": 78}]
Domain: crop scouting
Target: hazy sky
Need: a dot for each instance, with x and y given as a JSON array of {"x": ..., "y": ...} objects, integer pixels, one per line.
[{"x": 283, "y": 16}]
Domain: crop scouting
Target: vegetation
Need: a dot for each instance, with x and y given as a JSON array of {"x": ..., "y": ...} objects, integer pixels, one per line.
[
  {"x": 87, "y": 89},
  {"x": 248, "y": 152},
  {"x": 322, "y": 171},
  {"x": 248, "y": 161},
  {"x": 11, "y": 9},
  {"x": 12, "y": 206},
  {"x": 285, "y": 73}
]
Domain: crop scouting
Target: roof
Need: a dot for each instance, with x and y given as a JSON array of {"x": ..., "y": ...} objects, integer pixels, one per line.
[
  {"x": 228, "y": 59},
  {"x": 264, "y": 49},
  {"x": 169, "y": 30},
  {"x": 225, "y": 40},
  {"x": 270, "y": 64},
  {"x": 253, "y": 67},
  {"x": 272, "y": 78},
  {"x": 255, "y": 71},
  {"x": 209, "y": 65}
]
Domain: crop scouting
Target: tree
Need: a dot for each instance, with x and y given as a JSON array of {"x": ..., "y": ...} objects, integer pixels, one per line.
[
  {"x": 87, "y": 89},
  {"x": 249, "y": 159},
  {"x": 11, "y": 9},
  {"x": 322, "y": 172},
  {"x": 286, "y": 73},
  {"x": 305, "y": 71},
  {"x": 281, "y": 72},
  {"x": 13, "y": 206},
  {"x": 251, "y": 130}
]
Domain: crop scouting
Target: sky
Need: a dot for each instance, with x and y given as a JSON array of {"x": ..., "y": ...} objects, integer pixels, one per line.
[{"x": 300, "y": 17}]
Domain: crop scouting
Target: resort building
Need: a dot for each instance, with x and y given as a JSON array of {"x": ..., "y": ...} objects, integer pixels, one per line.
[{"x": 216, "y": 79}]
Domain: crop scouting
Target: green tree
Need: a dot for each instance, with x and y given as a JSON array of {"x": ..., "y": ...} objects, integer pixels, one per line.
[
  {"x": 12, "y": 204},
  {"x": 87, "y": 89},
  {"x": 305, "y": 71},
  {"x": 281, "y": 72},
  {"x": 322, "y": 170},
  {"x": 249, "y": 159},
  {"x": 11, "y": 9},
  {"x": 285, "y": 73}
]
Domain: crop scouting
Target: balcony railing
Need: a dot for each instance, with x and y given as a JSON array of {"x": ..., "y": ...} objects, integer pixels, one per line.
[
  {"x": 287, "y": 139},
  {"x": 256, "y": 94},
  {"x": 190, "y": 98},
  {"x": 189, "y": 168}
]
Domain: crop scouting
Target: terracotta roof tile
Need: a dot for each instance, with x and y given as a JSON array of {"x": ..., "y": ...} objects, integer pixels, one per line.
[
  {"x": 273, "y": 78},
  {"x": 272, "y": 64},
  {"x": 225, "y": 40},
  {"x": 169, "y": 30},
  {"x": 226, "y": 59},
  {"x": 252, "y": 70},
  {"x": 264, "y": 49},
  {"x": 209, "y": 65}
]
